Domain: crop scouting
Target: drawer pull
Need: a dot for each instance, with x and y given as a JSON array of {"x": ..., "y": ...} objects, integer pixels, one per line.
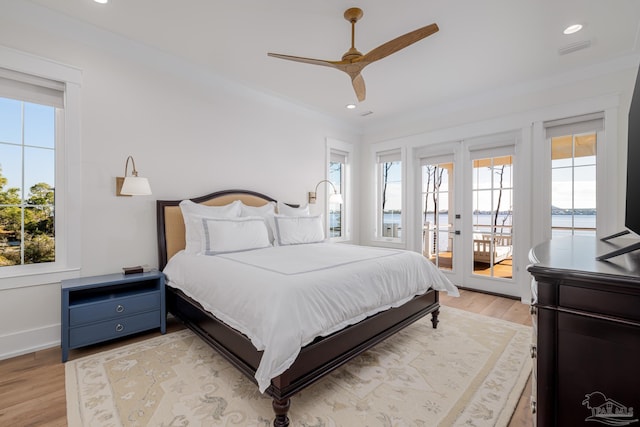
[
  {"x": 119, "y": 308},
  {"x": 119, "y": 327},
  {"x": 534, "y": 351}
]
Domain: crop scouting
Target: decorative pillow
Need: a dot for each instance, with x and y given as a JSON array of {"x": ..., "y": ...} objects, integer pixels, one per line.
[
  {"x": 224, "y": 235},
  {"x": 284, "y": 209},
  {"x": 296, "y": 230},
  {"x": 266, "y": 211},
  {"x": 192, "y": 214}
]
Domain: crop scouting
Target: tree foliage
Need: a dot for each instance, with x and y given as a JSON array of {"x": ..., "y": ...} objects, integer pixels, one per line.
[{"x": 34, "y": 238}]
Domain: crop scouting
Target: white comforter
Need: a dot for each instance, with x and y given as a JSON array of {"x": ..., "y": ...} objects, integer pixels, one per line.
[{"x": 285, "y": 296}]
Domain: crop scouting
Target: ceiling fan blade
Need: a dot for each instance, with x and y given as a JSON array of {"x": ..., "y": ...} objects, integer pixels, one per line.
[
  {"x": 304, "y": 60},
  {"x": 358, "y": 86},
  {"x": 398, "y": 43}
]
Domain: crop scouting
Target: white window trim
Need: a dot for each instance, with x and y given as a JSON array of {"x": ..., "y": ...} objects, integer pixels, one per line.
[
  {"x": 345, "y": 147},
  {"x": 68, "y": 176},
  {"x": 606, "y": 166}
]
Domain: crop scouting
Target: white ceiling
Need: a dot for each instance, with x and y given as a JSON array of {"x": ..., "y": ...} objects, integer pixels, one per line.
[{"x": 482, "y": 46}]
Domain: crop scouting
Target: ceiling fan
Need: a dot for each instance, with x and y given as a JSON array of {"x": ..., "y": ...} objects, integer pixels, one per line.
[{"x": 353, "y": 61}]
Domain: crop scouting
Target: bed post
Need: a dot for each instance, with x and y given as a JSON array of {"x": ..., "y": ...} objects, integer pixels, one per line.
[
  {"x": 281, "y": 408},
  {"x": 434, "y": 318},
  {"x": 436, "y": 312}
]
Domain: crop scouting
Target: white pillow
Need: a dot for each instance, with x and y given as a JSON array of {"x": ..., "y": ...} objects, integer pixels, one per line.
[
  {"x": 284, "y": 209},
  {"x": 296, "y": 230},
  {"x": 266, "y": 211},
  {"x": 246, "y": 210},
  {"x": 224, "y": 235},
  {"x": 192, "y": 213}
]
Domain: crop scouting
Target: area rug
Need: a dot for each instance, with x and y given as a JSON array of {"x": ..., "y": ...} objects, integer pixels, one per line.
[{"x": 470, "y": 371}]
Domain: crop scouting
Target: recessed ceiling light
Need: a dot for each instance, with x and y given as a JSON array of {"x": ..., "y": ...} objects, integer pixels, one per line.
[
  {"x": 351, "y": 106},
  {"x": 572, "y": 29},
  {"x": 101, "y": 1}
]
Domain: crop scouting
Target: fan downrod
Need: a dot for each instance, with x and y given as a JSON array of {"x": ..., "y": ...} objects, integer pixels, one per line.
[{"x": 352, "y": 15}]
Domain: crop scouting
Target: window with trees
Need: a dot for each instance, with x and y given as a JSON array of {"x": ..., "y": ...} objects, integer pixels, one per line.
[
  {"x": 390, "y": 195},
  {"x": 40, "y": 170},
  {"x": 30, "y": 110},
  {"x": 27, "y": 182}
]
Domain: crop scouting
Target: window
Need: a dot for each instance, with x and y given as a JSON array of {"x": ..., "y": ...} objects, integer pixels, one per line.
[
  {"x": 390, "y": 195},
  {"x": 27, "y": 183},
  {"x": 337, "y": 176},
  {"x": 27, "y": 177},
  {"x": 573, "y": 174},
  {"x": 339, "y": 157},
  {"x": 39, "y": 170}
]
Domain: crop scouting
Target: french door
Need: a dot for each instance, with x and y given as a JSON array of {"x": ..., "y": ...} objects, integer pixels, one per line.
[{"x": 467, "y": 215}]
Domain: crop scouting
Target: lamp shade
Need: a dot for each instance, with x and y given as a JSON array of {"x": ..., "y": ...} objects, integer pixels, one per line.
[
  {"x": 135, "y": 186},
  {"x": 336, "y": 199}
]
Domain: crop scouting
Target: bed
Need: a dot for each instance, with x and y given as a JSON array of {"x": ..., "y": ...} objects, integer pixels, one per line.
[{"x": 249, "y": 349}]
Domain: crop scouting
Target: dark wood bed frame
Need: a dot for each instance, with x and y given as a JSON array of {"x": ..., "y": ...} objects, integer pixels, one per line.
[{"x": 315, "y": 359}]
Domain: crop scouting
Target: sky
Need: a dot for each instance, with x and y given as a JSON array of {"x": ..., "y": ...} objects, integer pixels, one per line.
[{"x": 27, "y": 138}]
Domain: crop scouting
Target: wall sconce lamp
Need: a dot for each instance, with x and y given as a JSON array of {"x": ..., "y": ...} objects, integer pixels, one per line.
[
  {"x": 335, "y": 198},
  {"x": 132, "y": 185}
]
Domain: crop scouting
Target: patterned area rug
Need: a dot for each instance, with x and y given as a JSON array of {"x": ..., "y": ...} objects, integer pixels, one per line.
[{"x": 468, "y": 372}]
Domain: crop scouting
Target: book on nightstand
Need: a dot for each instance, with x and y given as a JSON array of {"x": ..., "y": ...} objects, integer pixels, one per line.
[{"x": 132, "y": 270}]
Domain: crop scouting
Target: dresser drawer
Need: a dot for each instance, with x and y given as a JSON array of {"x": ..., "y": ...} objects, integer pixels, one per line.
[
  {"x": 113, "y": 308},
  {"x": 102, "y": 331},
  {"x": 605, "y": 302}
]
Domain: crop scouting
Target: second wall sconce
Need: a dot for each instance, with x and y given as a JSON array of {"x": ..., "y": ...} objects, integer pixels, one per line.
[
  {"x": 132, "y": 185},
  {"x": 335, "y": 198}
]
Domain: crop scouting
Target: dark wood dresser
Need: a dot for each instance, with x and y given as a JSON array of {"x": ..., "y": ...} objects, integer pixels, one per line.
[{"x": 586, "y": 318}]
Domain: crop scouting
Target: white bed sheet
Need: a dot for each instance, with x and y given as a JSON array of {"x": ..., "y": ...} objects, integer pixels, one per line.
[{"x": 283, "y": 297}]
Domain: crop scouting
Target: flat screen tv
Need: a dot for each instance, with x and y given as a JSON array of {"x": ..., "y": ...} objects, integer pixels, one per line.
[{"x": 632, "y": 210}]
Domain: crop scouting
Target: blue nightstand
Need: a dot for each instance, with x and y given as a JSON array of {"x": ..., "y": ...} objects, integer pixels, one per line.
[{"x": 101, "y": 308}]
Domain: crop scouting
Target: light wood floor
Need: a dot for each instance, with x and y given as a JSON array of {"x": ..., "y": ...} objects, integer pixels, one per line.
[{"x": 32, "y": 389}]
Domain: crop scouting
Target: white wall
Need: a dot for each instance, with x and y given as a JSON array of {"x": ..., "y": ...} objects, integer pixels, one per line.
[{"x": 190, "y": 134}]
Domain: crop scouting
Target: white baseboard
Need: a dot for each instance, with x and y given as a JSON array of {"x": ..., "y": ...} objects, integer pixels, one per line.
[{"x": 28, "y": 341}]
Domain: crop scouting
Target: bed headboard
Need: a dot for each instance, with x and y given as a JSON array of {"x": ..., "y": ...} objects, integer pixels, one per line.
[{"x": 171, "y": 231}]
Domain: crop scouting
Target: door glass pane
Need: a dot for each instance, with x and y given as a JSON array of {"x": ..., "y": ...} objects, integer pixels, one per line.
[
  {"x": 492, "y": 190},
  {"x": 336, "y": 213},
  {"x": 437, "y": 214},
  {"x": 573, "y": 185},
  {"x": 391, "y": 198}
]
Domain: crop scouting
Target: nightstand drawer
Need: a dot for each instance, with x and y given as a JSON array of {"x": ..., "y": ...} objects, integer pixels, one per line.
[
  {"x": 97, "y": 332},
  {"x": 113, "y": 308}
]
